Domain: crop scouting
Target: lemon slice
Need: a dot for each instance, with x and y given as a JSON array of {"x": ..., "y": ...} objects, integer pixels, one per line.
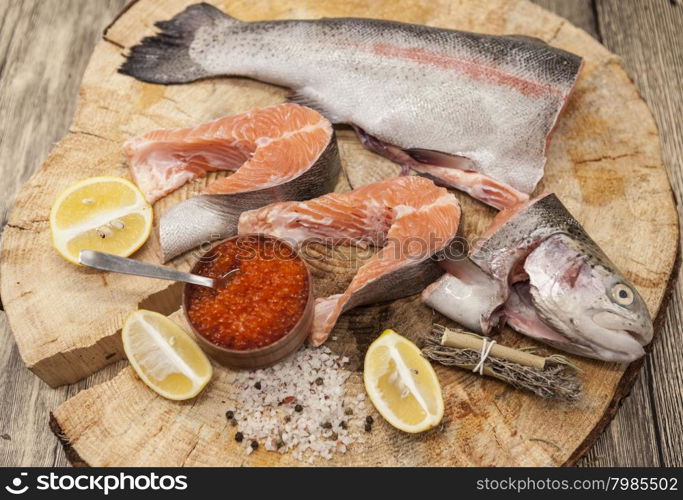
[
  {"x": 108, "y": 214},
  {"x": 402, "y": 384},
  {"x": 164, "y": 355}
]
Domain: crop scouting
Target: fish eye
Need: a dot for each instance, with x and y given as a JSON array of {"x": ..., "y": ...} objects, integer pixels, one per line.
[{"x": 622, "y": 294}]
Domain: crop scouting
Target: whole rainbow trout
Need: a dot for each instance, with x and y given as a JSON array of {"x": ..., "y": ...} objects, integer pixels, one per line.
[{"x": 471, "y": 111}]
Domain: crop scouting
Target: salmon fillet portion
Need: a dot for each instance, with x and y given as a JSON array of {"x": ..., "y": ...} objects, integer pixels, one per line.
[
  {"x": 409, "y": 217},
  {"x": 265, "y": 147}
]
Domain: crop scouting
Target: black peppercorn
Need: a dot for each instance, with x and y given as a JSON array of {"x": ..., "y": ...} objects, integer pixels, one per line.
[
  {"x": 319, "y": 381},
  {"x": 298, "y": 408},
  {"x": 343, "y": 424},
  {"x": 258, "y": 385},
  {"x": 229, "y": 414},
  {"x": 239, "y": 437},
  {"x": 369, "y": 419},
  {"x": 254, "y": 445}
]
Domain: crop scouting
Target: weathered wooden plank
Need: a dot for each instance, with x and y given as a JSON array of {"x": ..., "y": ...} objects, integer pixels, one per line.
[
  {"x": 44, "y": 47},
  {"x": 25, "y": 405},
  {"x": 579, "y": 12},
  {"x": 631, "y": 439},
  {"x": 648, "y": 35}
]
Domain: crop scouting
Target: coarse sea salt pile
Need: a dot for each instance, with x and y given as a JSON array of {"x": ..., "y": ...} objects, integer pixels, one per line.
[{"x": 299, "y": 405}]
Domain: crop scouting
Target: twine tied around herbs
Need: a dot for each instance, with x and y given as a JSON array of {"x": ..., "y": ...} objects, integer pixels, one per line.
[
  {"x": 486, "y": 347},
  {"x": 552, "y": 377}
]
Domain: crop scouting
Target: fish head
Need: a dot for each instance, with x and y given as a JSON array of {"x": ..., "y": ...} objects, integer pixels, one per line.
[{"x": 580, "y": 294}]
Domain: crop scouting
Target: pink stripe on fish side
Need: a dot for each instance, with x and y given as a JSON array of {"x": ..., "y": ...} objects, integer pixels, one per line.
[{"x": 475, "y": 69}]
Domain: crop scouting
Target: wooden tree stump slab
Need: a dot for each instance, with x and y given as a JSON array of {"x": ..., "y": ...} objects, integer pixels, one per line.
[{"x": 603, "y": 162}]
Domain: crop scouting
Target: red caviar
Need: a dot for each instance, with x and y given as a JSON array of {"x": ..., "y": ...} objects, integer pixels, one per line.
[{"x": 263, "y": 300}]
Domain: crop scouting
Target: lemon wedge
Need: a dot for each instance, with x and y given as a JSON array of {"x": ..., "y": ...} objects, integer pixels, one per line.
[
  {"x": 108, "y": 214},
  {"x": 164, "y": 356},
  {"x": 402, "y": 384}
]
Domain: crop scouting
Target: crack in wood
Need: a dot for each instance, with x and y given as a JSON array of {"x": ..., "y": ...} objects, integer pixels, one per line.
[
  {"x": 113, "y": 42},
  {"x": 91, "y": 134},
  {"x": 545, "y": 441},
  {"x": 18, "y": 227},
  {"x": 193, "y": 447},
  {"x": 118, "y": 16},
  {"x": 557, "y": 32},
  {"x": 29, "y": 225},
  {"x": 607, "y": 158}
]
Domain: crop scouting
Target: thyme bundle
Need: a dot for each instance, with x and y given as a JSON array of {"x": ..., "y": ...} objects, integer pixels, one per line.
[{"x": 552, "y": 377}]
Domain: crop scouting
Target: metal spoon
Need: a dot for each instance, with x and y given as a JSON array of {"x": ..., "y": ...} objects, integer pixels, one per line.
[{"x": 114, "y": 263}]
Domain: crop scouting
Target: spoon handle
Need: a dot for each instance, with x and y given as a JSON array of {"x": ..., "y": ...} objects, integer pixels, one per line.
[{"x": 114, "y": 263}]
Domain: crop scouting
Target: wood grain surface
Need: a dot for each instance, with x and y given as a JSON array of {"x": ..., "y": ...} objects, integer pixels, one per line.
[
  {"x": 646, "y": 435},
  {"x": 44, "y": 48}
]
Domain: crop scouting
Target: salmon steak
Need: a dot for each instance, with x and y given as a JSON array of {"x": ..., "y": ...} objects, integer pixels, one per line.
[
  {"x": 283, "y": 152},
  {"x": 413, "y": 220},
  {"x": 471, "y": 111}
]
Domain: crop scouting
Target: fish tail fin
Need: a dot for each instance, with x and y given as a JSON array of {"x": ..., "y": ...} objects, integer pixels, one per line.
[{"x": 165, "y": 57}]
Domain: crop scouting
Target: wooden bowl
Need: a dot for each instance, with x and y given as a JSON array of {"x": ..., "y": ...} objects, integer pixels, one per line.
[{"x": 262, "y": 357}]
